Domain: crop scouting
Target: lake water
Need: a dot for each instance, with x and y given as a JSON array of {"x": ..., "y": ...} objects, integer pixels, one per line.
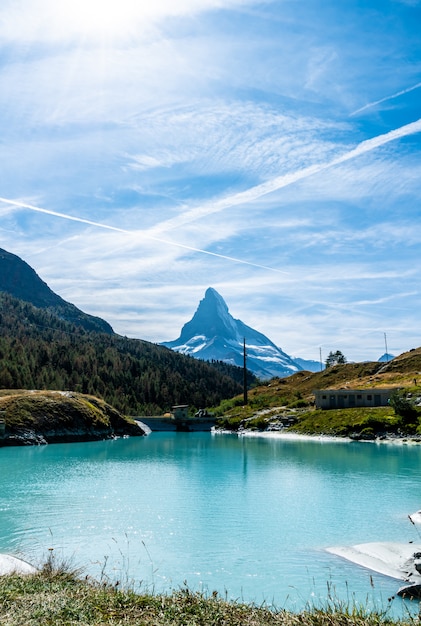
[{"x": 249, "y": 517}]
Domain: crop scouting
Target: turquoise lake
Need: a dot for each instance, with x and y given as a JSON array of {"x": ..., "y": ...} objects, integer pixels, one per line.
[{"x": 250, "y": 517}]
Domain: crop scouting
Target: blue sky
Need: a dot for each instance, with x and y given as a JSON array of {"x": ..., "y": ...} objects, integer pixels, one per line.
[{"x": 270, "y": 150}]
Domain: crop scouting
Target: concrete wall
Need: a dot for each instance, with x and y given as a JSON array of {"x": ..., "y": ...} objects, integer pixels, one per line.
[
  {"x": 177, "y": 420},
  {"x": 170, "y": 424}
]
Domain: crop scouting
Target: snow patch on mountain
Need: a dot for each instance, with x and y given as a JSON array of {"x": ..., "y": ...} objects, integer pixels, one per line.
[{"x": 213, "y": 334}]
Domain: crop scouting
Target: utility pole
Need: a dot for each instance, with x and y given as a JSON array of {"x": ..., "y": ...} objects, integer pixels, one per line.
[
  {"x": 245, "y": 372},
  {"x": 321, "y": 362},
  {"x": 385, "y": 345}
]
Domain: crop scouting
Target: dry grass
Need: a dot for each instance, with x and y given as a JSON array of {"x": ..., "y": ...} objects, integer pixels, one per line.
[{"x": 58, "y": 597}]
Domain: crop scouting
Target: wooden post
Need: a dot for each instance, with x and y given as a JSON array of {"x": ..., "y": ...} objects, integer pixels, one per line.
[
  {"x": 245, "y": 372},
  {"x": 385, "y": 345}
]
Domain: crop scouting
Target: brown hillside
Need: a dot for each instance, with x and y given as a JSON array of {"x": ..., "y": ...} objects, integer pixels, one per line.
[{"x": 403, "y": 371}]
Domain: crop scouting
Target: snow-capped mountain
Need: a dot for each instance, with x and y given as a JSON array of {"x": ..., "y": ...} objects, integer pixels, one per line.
[
  {"x": 309, "y": 364},
  {"x": 213, "y": 334}
]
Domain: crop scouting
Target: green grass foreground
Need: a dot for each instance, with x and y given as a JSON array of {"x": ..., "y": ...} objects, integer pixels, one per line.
[{"x": 56, "y": 596}]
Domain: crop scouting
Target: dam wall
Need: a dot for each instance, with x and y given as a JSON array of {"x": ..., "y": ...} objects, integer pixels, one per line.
[
  {"x": 178, "y": 420},
  {"x": 159, "y": 423}
]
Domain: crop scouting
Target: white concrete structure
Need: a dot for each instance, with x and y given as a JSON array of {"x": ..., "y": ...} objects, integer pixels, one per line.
[{"x": 349, "y": 398}]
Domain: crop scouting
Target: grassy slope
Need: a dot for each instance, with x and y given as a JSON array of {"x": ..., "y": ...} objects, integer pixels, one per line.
[
  {"x": 293, "y": 396},
  {"x": 57, "y": 415},
  {"x": 56, "y": 597}
]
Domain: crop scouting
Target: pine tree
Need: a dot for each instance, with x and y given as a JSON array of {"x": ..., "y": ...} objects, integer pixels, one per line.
[{"x": 335, "y": 358}]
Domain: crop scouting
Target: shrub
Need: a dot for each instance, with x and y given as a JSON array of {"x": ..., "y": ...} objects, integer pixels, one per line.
[
  {"x": 298, "y": 404},
  {"x": 257, "y": 423},
  {"x": 403, "y": 407}
]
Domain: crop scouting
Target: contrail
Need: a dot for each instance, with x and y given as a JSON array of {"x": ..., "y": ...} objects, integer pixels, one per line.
[
  {"x": 254, "y": 193},
  {"x": 82, "y": 220},
  {"x": 395, "y": 95},
  {"x": 24, "y": 205},
  {"x": 242, "y": 197}
]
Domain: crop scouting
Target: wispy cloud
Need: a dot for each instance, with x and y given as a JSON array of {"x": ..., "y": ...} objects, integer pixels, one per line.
[
  {"x": 241, "y": 198},
  {"x": 138, "y": 234},
  {"x": 252, "y": 194}
]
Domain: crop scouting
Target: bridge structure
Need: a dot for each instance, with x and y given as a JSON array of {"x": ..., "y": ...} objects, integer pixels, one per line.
[{"x": 178, "y": 421}]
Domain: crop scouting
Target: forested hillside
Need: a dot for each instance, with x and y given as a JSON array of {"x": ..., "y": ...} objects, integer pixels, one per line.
[
  {"x": 40, "y": 351},
  {"x": 18, "y": 279}
]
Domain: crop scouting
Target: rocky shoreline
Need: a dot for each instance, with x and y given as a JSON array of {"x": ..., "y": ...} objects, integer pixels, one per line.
[
  {"x": 291, "y": 434},
  {"x": 28, "y": 437}
]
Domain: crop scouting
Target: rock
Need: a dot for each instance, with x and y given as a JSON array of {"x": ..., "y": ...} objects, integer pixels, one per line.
[
  {"x": 410, "y": 591},
  {"x": 24, "y": 438},
  {"x": 12, "y": 565}
]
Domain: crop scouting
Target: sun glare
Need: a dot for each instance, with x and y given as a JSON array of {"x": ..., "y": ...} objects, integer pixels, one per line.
[
  {"x": 101, "y": 19},
  {"x": 96, "y": 20}
]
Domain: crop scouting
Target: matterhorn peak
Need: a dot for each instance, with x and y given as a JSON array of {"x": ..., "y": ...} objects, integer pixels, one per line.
[
  {"x": 213, "y": 334},
  {"x": 212, "y": 318},
  {"x": 212, "y": 293},
  {"x": 212, "y": 302}
]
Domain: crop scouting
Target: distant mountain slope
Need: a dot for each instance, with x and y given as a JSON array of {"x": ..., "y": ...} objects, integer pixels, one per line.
[
  {"x": 19, "y": 280},
  {"x": 309, "y": 364},
  {"x": 213, "y": 333}
]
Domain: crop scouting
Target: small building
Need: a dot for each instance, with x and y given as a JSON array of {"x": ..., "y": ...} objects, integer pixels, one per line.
[
  {"x": 180, "y": 411},
  {"x": 350, "y": 398}
]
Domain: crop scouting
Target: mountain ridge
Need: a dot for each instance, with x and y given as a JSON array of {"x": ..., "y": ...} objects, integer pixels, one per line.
[
  {"x": 214, "y": 334},
  {"x": 20, "y": 280}
]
